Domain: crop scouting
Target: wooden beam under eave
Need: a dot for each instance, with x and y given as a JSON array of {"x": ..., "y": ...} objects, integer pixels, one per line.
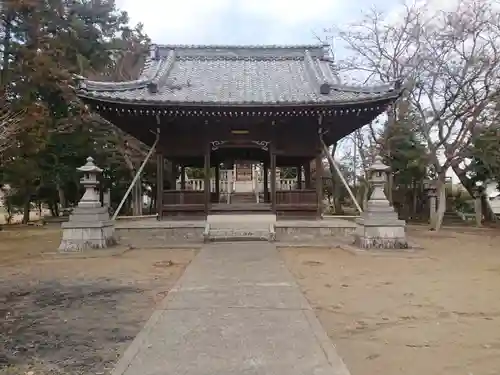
[
  {"x": 273, "y": 178},
  {"x": 159, "y": 184},
  {"x": 319, "y": 185},
  {"x": 207, "y": 178}
]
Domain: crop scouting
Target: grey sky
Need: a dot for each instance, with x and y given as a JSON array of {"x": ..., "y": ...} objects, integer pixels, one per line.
[{"x": 243, "y": 21}]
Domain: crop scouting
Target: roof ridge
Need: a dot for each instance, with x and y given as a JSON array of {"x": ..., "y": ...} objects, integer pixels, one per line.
[
  {"x": 247, "y": 46},
  {"x": 237, "y": 58}
]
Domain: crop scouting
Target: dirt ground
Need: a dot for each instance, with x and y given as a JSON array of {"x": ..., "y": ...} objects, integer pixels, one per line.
[
  {"x": 74, "y": 315},
  {"x": 437, "y": 313}
]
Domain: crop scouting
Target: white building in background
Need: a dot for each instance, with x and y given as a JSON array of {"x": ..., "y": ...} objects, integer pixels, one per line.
[{"x": 494, "y": 197}]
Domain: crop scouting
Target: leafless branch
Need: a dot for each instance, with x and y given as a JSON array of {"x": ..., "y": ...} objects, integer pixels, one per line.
[{"x": 10, "y": 123}]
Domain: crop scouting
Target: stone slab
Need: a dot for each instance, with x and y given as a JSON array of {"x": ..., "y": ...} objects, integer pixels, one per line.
[
  {"x": 235, "y": 310},
  {"x": 241, "y": 218},
  {"x": 150, "y": 223},
  {"x": 314, "y": 231},
  {"x": 262, "y": 296},
  {"x": 230, "y": 341},
  {"x": 140, "y": 237},
  {"x": 325, "y": 223}
]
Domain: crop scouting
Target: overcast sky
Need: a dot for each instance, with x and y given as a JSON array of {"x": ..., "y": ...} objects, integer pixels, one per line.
[{"x": 243, "y": 21}]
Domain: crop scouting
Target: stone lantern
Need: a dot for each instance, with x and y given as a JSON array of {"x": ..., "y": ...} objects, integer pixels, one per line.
[
  {"x": 379, "y": 226},
  {"x": 89, "y": 226},
  {"x": 90, "y": 183}
]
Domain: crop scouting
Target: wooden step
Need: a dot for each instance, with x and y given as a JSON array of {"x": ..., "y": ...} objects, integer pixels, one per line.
[
  {"x": 243, "y": 198},
  {"x": 240, "y": 208}
]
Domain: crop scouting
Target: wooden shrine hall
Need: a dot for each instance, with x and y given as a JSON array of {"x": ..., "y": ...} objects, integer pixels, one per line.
[{"x": 214, "y": 107}]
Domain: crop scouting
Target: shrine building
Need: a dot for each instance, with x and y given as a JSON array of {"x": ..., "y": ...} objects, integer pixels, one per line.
[{"x": 241, "y": 113}]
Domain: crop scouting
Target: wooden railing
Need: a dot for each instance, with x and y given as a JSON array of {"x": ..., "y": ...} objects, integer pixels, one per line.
[
  {"x": 183, "y": 203},
  {"x": 296, "y": 203},
  {"x": 296, "y": 197},
  {"x": 291, "y": 203},
  {"x": 198, "y": 184},
  {"x": 172, "y": 197}
]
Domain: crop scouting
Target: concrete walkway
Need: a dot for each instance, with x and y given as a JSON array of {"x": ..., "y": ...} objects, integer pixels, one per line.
[{"x": 236, "y": 310}]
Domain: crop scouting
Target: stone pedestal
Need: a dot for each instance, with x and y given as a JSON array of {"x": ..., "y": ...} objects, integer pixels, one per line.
[
  {"x": 379, "y": 226},
  {"x": 89, "y": 226}
]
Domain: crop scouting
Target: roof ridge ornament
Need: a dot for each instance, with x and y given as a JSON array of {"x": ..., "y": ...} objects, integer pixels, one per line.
[
  {"x": 325, "y": 88},
  {"x": 319, "y": 76},
  {"x": 162, "y": 73}
]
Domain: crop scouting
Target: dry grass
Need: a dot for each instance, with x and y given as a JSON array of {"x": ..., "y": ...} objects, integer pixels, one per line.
[
  {"x": 75, "y": 315},
  {"x": 438, "y": 313}
]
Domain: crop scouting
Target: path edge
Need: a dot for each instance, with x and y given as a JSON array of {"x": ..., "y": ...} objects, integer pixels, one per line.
[
  {"x": 326, "y": 344},
  {"x": 128, "y": 356}
]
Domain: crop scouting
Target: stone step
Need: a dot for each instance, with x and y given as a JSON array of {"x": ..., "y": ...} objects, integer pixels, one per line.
[
  {"x": 240, "y": 234},
  {"x": 453, "y": 218}
]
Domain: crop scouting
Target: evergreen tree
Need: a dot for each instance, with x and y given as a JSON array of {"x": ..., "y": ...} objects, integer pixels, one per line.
[{"x": 44, "y": 44}]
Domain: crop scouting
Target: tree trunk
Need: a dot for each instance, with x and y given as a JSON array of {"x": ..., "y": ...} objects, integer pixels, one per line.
[
  {"x": 336, "y": 184},
  {"x": 62, "y": 196},
  {"x": 441, "y": 208},
  {"x": 26, "y": 209},
  {"x": 6, "y": 48},
  {"x": 488, "y": 213},
  {"x": 337, "y": 192},
  {"x": 54, "y": 212},
  {"x": 137, "y": 198},
  {"x": 414, "y": 193}
]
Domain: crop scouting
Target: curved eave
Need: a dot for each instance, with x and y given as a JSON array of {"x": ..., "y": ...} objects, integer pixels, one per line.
[{"x": 391, "y": 96}]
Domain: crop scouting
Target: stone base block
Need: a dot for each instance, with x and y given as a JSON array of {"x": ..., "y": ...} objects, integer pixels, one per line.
[
  {"x": 76, "y": 239},
  {"x": 157, "y": 237},
  {"x": 381, "y": 236},
  {"x": 89, "y": 214},
  {"x": 313, "y": 232}
]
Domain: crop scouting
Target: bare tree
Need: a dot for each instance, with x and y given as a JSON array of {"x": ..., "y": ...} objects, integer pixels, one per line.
[
  {"x": 380, "y": 51},
  {"x": 451, "y": 61}
]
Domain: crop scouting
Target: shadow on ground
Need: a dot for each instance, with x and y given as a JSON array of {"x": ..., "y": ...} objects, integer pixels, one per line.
[{"x": 80, "y": 326}]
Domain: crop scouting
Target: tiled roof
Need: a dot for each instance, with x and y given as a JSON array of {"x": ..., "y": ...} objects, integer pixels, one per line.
[{"x": 237, "y": 75}]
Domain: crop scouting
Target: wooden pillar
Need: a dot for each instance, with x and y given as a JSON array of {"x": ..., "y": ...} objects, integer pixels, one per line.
[
  {"x": 172, "y": 177},
  {"x": 299, "y": 176},
  {"x": 159, "y": 184},
  {"x": 273, "y": 179},
  {"x": 266, "y": 183},
  {"x": 217, "y": 182},
  {"x": 307, "y": 174},
  {"x": 319, "y": 185},
  {"x": 183, "y": 177},
  {"x": 183, "y": 184},
  {"x": 207, "y": 179}
]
